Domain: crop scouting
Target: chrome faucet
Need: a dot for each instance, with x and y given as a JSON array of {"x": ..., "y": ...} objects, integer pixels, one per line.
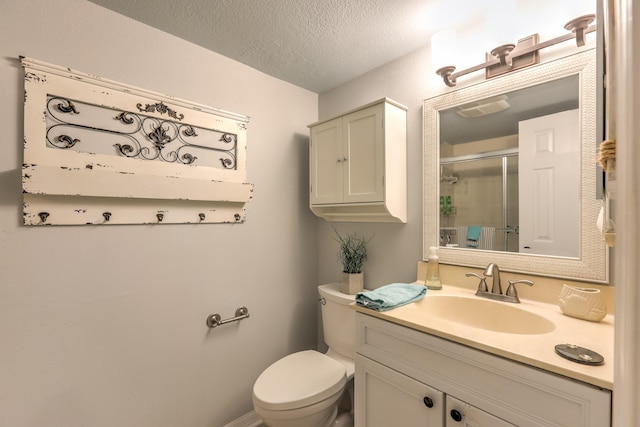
[
  {"x": 493, "y": 271},
  {"x": 482, "y": 286}
]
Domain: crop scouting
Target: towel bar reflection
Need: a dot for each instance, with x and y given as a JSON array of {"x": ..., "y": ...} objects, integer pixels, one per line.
[{"x": 215, "y": 320}]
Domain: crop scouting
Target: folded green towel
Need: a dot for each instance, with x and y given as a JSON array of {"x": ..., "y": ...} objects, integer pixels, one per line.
[{"x": 390, "y": 296}]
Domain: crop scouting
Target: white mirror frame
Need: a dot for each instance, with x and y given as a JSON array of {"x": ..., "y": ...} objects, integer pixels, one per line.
[{"x": 592, "y": 264}]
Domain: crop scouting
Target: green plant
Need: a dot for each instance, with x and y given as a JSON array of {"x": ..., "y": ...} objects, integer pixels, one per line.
[{"x": 353, "y": 252}]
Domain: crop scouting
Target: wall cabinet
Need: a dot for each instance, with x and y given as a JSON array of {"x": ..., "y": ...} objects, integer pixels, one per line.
[
  {"x": 410, "y": 378},
  {"x": 357, "y": 165}
]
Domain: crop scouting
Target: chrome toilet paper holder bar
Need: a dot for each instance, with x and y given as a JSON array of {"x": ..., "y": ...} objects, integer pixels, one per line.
[{"x": 215, "y": 320}]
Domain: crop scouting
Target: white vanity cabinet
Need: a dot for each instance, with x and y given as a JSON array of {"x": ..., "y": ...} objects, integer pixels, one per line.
[
  {"x": 461, "y": 414},
  {"x": 399, "y": 370},
  {"x": 386, "y": 397},
  {"x": 358, "y": 164}
]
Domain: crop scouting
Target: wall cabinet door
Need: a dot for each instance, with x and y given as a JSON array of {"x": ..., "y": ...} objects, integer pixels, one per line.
[
  {"x": 326, "y": 163},
  {"x": 363, "y": 155},
  {"x": 384, "y": 397},
  {"x": 461, "y": 414}
]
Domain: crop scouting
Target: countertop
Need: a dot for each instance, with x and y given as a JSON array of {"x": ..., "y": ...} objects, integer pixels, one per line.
[{"x": 536, "y": 350}]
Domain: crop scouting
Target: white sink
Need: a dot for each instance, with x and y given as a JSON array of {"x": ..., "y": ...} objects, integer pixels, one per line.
[{"x": 486, "y": 314}]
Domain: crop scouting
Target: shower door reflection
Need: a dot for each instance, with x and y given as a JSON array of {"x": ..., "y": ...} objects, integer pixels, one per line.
[{"x": 479, "y": 201}]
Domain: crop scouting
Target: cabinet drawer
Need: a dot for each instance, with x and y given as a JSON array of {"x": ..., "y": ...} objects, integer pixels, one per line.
[{"x": 514, "y": 392}]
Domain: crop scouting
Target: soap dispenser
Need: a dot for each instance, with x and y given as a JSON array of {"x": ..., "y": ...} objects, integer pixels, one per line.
[{"x": 432, "y": 281}]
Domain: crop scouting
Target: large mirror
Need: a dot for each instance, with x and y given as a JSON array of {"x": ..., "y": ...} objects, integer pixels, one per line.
[{"x": 510, "y": 172}]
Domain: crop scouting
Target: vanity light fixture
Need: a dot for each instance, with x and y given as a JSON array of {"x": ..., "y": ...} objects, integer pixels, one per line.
[{"x": 510, "y": 57}]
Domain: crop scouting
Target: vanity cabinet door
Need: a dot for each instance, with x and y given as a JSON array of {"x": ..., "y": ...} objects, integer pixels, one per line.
[
  {"x": 461, "y": 414},
  {"x": 384, "y": 397}
]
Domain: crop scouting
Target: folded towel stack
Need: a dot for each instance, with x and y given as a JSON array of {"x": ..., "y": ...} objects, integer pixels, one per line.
[{"x": 390, "y": 296}]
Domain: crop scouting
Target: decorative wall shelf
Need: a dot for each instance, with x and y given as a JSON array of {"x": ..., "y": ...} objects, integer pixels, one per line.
[{"x": 100, "y": 152}]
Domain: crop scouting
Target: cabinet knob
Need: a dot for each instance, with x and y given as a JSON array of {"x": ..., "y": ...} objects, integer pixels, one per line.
[
  {"x": 339, "y": 160},
  {"x": 456, "y": 415},
  {"x": 428, "y": 402}
]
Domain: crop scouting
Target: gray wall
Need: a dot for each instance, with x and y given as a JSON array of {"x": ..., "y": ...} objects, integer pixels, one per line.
[
  {"x": 395, "y": 248},
  {"x": 105, "y": 325}
]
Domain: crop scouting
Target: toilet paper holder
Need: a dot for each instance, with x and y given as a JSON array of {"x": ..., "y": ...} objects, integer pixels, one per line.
[{"x": 215, "y": 319}]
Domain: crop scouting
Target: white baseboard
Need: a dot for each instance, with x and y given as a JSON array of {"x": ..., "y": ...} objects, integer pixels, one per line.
[{"x": 248, "y": 420}]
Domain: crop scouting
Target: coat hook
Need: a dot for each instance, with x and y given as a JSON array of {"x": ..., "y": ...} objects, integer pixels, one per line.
[
  {"x": 107, "y": 216},
  {"x": 160, "y": 217},
  {"x": 43, "y": 216},
  {"x": 202, "y": 216}
]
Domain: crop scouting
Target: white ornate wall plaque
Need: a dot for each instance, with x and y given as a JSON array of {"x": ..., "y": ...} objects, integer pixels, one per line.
[{"x": 100, "y": 152}]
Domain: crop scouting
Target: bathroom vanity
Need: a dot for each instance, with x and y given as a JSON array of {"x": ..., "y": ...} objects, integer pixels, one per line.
[{"x": 415, "y": 367}]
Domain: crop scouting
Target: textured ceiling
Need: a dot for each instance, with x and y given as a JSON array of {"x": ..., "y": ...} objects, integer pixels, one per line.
[{"x": 314, "y": 44}]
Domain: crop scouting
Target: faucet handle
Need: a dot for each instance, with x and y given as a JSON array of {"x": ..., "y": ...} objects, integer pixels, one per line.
[
  {"x": 511, "y": 289},
  {"x": 482, "y": 286}
]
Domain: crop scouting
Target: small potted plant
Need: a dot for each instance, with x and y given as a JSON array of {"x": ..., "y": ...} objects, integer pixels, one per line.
[{"x": 352, "y": 254}]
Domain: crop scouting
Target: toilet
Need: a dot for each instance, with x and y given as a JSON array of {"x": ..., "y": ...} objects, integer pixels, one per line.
[{"x": 304, "y": 389}]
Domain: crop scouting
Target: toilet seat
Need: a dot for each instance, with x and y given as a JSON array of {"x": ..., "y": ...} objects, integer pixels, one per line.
[{"x": 298, "y": 380}]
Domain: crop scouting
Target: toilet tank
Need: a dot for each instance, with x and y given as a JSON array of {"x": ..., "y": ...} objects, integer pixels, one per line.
[{"x": 338, "y": 319}]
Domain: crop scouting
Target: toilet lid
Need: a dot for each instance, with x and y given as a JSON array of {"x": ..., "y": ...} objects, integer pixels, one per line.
[{"x": 298, "y": 380}]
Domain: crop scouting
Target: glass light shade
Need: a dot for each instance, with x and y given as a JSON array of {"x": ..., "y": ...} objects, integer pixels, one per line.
[
  {"x": 501, "y": 22},
  {"x": 443, "y": 48}
]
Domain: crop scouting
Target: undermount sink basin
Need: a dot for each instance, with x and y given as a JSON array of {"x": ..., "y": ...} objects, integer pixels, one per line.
[{"x": 486, "y": 314}]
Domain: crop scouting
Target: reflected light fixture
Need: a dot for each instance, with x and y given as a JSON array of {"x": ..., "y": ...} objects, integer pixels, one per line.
[{"x": 510, "y": 57}]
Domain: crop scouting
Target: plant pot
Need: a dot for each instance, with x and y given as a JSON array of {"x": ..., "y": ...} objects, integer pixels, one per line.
[{"x": 352, "y": 283}]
